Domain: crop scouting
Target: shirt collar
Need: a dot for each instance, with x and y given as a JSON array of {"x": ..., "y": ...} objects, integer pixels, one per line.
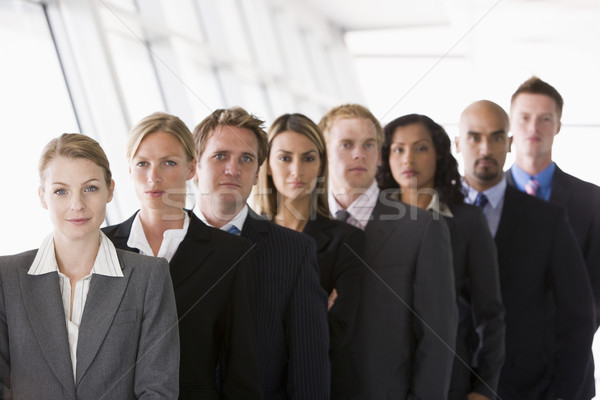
[
  {"x": 544, "y": 178},
  {"x": 237, "y": 221},
  {"x": 138, "y": 240},
  {"x": 106, "y": 263},
  {"x": 494, "y": 194},
  {"x": 439, "y": 208},
  {"x": 366, "y": 199}
]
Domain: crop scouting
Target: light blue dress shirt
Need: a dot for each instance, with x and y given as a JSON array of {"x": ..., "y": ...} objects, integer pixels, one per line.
[
  {"x": 493, "y": 209},
  {"x": 544, "y": 178}
]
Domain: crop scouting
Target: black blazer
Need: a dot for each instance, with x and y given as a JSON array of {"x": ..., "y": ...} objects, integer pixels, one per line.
[
  {"x": 291, "y": 313},
  {"x": 212, "y": 277},
  {"x": 548, "y": 301},
  {"x": 339, "y": 255},
  {"x": 405, "y": 333},
  {"x": 582, "y": 201},
  {"x": 477, "y": 280}
]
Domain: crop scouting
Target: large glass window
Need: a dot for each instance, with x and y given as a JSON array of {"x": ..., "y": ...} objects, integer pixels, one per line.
[{"x": 36, "y": 108}]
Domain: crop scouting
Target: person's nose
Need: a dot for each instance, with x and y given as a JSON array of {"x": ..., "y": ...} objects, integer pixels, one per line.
[
  {"x": 77, "y": 201},
  {"x": 232, "y": 167},
  {"x": 153, "y": 175},
  {"x": 296, "y": 169}
]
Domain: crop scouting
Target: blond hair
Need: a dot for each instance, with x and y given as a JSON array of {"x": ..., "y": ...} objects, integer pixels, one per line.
[
  {"x": 161, "y": 122},
  {"x": 350, "y": 111},
  {"x": 74, "y": 146}
]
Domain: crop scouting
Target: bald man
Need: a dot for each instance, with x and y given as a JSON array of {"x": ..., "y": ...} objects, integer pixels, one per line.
[{"x": 545, "y": 288}]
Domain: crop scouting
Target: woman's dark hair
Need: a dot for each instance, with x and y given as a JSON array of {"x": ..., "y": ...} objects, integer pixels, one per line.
[{"x": 446, "y": 180}]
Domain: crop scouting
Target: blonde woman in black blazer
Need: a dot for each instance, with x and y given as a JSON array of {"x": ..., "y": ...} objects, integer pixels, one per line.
[
  {"x": 293, "y": 194},
  {"x": 418, "y": 164},
  {"x": 80, "y": 319},
  {"x": 210, "y": 269}
]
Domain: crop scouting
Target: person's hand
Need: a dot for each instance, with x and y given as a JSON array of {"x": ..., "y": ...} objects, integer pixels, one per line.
[
  {"x": 332, "y": 297},
  {"x": 477, "y": 396}
]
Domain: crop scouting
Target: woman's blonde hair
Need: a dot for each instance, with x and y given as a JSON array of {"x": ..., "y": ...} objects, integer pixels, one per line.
[
  {"x": 266, "y": 202},
  {"x": 74, "y": 145},
  {"x": 161, "y": 122}
]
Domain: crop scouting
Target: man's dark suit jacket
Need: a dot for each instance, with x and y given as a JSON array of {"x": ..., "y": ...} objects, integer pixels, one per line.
[
  {"x": 212, "y": 277},
  {"x": 548, "y": 301},
  {"x": 291, "y": 313},
  {"x": 339, "y": 255},
  {"x": 480, "y": 304},
  {"x": 407, "y": 319},
  {"x": 582, "y": 201}
]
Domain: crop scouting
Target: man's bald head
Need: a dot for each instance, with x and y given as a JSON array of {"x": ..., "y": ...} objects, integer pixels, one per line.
[
  {"x": 483, "y": 141},
  {"x": 484, "y": 110}
]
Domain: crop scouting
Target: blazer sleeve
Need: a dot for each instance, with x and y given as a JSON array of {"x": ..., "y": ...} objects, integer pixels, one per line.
[
  {"x": 487, "y": 308},
  {"x": 591, "y": 253},
  {"x": 157, "y": 364},
  {"x": 307, "y": 332},
  {"x": 242, "y": 369},
  {"x": 575, "y": 320},
  {"x": 4, "y": 347},
  {"x": 346, "y": 280},
  {"x": 436, "y": 315}
]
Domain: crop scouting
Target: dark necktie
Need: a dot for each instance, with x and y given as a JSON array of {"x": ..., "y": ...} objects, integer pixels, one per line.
[
  {"x": 342, "y": 215},
  {"x": 481, "y": 200},
  {"x": 532, "y": 187}
]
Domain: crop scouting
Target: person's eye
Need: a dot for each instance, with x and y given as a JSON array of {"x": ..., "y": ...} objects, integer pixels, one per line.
[
  {"x": 284, "y": 158},
  {"x": 423, "y": 148},
  {"x": 219, "y": 156},
  {"x": 475, "y": 139},
  {"x": 141, "y": 164},
  {"x": 398, "y": 150},
  {"x": 60, "y": 192},
  {"x": 246, "y": 159},
  {"x": 346, "y": 145},
  {"x": 499, "y": 139},
  {"x": 90, "y": 188},
  {"x": 170, "y": 163},
  {"x": 369, "y": 145},
  {"x": 310, "y": 158}
]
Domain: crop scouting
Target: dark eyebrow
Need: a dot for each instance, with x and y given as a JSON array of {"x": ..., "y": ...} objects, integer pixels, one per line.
[{"x": 498, "y": 132}]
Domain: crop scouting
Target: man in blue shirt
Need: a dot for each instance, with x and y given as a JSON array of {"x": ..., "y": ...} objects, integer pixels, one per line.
[
  {"x": 546, "y": 292},
  {"x": 536, "y": 109}
]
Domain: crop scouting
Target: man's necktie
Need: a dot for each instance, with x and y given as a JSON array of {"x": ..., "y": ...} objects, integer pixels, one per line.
[
  {"x": 481, "y": 200},
  {"x": 532, "y": 186},
  {"x": 342, "y": 215},
  {"x": 233, "y": 229}
]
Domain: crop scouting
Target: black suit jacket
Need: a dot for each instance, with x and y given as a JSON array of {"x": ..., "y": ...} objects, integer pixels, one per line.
[
  {"x": 582, "y": 201},
  {"x": 212, "y": 277},
  {"x": 480, "y": 338},
  {"x": 339, "y": 255},
  {"x": 291, "y": 313},
  {"x": 406, "y": 324},
  {"x": 548, "y": 301}
]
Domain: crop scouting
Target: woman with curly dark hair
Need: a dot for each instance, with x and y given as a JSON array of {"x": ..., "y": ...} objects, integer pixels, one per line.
[{"x": 418, "y": 165}]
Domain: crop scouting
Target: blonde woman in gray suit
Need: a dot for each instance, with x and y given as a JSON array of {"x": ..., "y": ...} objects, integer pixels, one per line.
[{"x": 78, "y": 318}]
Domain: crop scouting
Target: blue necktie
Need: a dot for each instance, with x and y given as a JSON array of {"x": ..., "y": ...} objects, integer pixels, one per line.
[
  {"x": 234, "y": 230},
  {"x": 532, "y": 187},
  {"x": 481, "y": 200}
]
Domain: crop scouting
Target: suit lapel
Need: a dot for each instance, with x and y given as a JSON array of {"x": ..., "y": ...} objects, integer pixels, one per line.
[
  {"x": 318, "y": 229},
  {"x": 192, "y": 251},
  {"x": 43, "y": 303},
  {"x": 104, "y": 298},
  {"x": 255, "y": 229},
  {"x": 378, "y": 230},
  {"x": 561, "y": 191},
  {"x": 512, "y": 209},
  {"x": 122, "y": 235}
]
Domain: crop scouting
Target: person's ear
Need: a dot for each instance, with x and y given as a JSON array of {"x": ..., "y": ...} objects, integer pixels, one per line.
[
  {"x": 111, "y": 191},
  {"x": 41, "y": 196}
]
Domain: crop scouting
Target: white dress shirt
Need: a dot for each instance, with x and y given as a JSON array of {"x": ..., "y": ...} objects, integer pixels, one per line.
[
  {"x": 361, "y": 209},
  {"x": 106, "y": 263},
  {"x": 237, "y": 221},
  {"x": 172, "y": 238},
  {"x": 493, "y": 209}
]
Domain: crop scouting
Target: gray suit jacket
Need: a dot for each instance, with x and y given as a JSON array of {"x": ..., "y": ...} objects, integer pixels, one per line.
[
  {"x": 128, "y": 345},
  {"x": 406, "y": 324}
]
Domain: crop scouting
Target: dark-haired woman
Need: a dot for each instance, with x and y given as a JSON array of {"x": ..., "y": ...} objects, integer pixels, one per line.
[{"x": 417, "y": 161}]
